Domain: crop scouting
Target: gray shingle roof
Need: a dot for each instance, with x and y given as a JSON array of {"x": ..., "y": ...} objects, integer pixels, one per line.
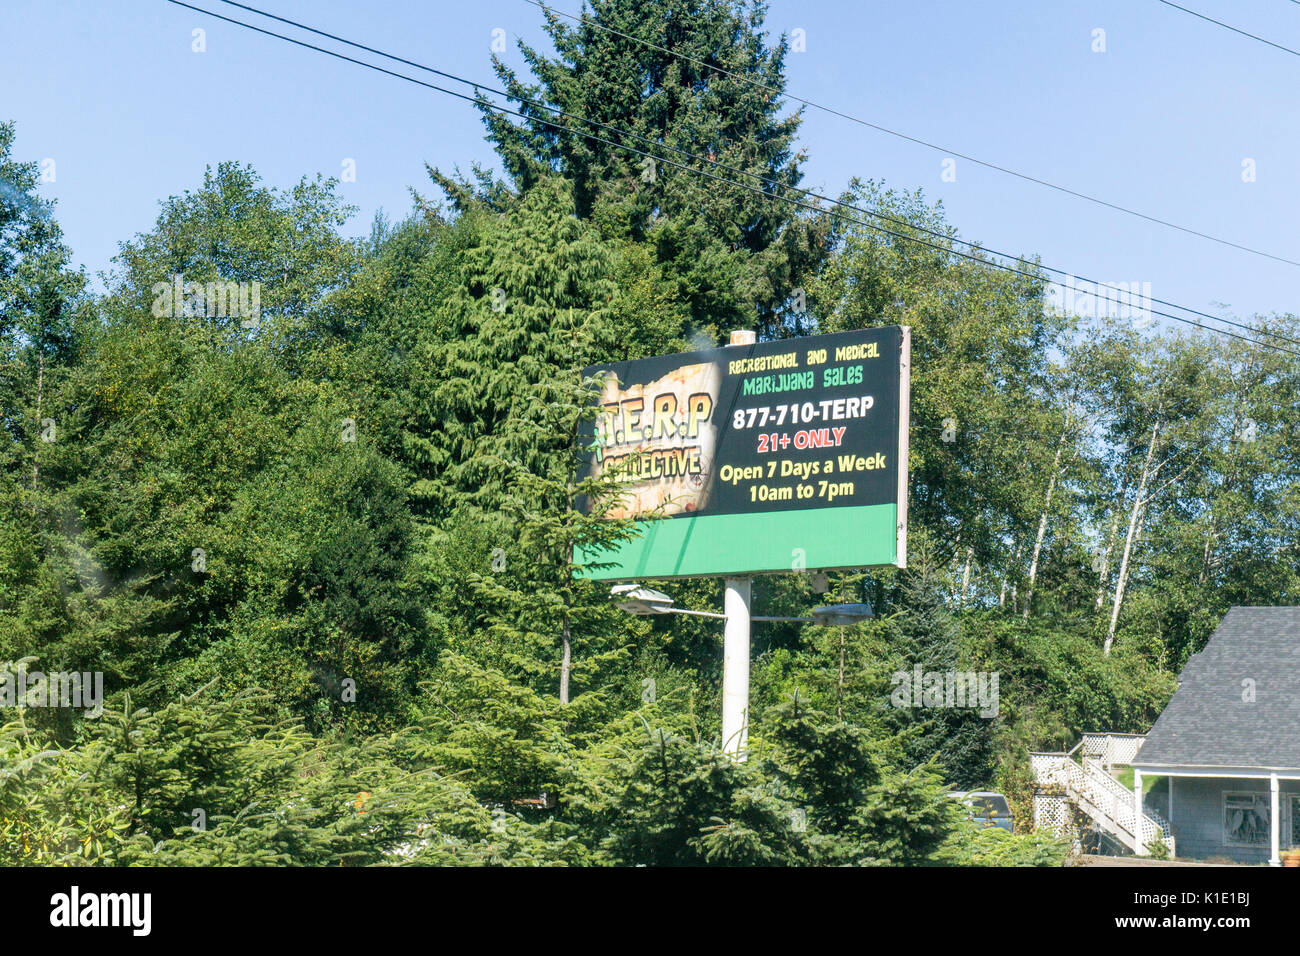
[{"x": 1207, "y": 723}]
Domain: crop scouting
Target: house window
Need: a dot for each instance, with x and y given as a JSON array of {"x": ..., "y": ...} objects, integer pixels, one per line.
[
  {"x": 1245, "y": 819},
  {"x": 1294, "y": 829}
]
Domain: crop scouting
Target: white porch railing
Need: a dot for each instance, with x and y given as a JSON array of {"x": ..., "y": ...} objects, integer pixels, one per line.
[
  {"x": 1112, "y": 749},
  {"x": 1103, "y": 798}
]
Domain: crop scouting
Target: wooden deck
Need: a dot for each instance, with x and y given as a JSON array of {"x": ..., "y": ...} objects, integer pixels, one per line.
[{"x": 1096, "y": 860}]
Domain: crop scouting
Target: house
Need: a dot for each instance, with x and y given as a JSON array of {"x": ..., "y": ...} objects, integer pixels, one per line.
[{"x": 1228, "y": 743}]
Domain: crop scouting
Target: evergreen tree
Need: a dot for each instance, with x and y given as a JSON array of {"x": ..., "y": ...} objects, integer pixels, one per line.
[
  {"x": 957, "y": 741},
  {"x": 697, "y": 76},
  {"x": 39, "y": 299}
]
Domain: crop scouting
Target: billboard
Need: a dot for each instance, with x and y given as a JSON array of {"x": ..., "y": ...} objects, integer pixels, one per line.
[{"x": 777, "y": 456}]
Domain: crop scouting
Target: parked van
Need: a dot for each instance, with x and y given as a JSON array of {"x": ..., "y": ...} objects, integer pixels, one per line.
[{"x": 987, "y": 808}]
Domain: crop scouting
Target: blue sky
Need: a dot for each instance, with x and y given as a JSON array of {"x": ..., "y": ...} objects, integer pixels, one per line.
[{"x": 1161, "y": 121}]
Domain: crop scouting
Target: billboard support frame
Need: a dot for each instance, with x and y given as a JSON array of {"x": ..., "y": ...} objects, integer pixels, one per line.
[
  {"x": 904, "y": 443},
  {"x": 738, "y": 584}
]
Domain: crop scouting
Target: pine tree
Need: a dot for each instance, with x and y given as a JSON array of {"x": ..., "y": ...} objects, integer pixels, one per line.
[
  {"x": 693, "y": 75},
  {"x": 39, "y": 298},
  {"x": 959, "y": 741},
  {"x": 500, "y": 429}
]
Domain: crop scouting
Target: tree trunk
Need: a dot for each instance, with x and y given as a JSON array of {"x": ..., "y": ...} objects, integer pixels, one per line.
[
  {"x": 956, "y": 550},
  {"x": 965, "y": 576},
  {"x": 36, "y": 453},
  {"x": 1138, "y": 503},
  {"x": 566, "y": 657},
  {"x": 1006, "y": 574},
  {"x": 1105, "y": 556},
  {"x": 839, "y": 692},
  {"x": 1042, "y": 526},
  {"x": 565, "y": 665},
  {"x": 1208, "y": 553}
]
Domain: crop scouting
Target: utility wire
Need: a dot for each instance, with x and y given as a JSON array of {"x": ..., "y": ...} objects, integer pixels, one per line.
[
  {"x": 590, "y": 21},
  {"x": 484, "y": 104},
  {"x": 774, "y": 184},
  {"x": 733, "y": 169},
  {"x": 1227, "y": 26}
]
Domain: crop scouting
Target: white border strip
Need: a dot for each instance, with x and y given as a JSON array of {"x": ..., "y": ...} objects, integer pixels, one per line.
[
  {"x": 1155, "y": 770},
  {"x": 904, "y": 427}
]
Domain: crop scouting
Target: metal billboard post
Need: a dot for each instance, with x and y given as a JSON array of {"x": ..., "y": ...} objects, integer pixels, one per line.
[
  {"x": 735, "y": 640},
  {"x": 735, "y": 666}
]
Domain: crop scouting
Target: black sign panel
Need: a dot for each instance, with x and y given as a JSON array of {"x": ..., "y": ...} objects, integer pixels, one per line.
[{"x": 778, "y": 426}]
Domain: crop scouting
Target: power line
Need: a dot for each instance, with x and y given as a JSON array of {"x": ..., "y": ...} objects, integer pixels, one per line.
[
  {"x": 483, "y": 104},
  {"x": 1227, "y": 26},
  {"x": 769, "y": 182},
  {"x": 902, "y": 223},
  {"x": 922, "y": 142}
]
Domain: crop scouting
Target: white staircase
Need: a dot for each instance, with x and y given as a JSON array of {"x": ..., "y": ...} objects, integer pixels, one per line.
[{"x": 1106, "y": 801}]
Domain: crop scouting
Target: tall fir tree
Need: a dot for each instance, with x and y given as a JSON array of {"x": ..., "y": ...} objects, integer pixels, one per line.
[
  {"x": 958, "y": 740},
  {"x": 699, "y": 76}
]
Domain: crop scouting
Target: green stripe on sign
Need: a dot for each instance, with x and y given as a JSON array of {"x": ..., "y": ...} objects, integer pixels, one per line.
[{"x": 751, "y": 544}]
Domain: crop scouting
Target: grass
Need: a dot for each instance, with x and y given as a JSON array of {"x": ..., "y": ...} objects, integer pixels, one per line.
[{"x": 1125, "y": 776}]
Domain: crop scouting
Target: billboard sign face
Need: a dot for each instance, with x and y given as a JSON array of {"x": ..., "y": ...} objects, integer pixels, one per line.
[{"x": 779, "y": 456}]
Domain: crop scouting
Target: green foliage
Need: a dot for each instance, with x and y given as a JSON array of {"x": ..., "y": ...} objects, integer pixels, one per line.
[
  {"x": 683, "y": 805},
  {"x": 325, "y": 560},
  {"x": 734, "y": 256},
  {"x": 926, "y": 635},
  {"x": 235, "y": 230},
  {"x": 1056, "y": 685},
  {"x": 974, "y": 845}
]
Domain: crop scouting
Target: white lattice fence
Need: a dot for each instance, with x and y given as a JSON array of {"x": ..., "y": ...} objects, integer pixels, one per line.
[
  {"x": 1112, "y": 749},
  {"x": 1053, "y": 814}
]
